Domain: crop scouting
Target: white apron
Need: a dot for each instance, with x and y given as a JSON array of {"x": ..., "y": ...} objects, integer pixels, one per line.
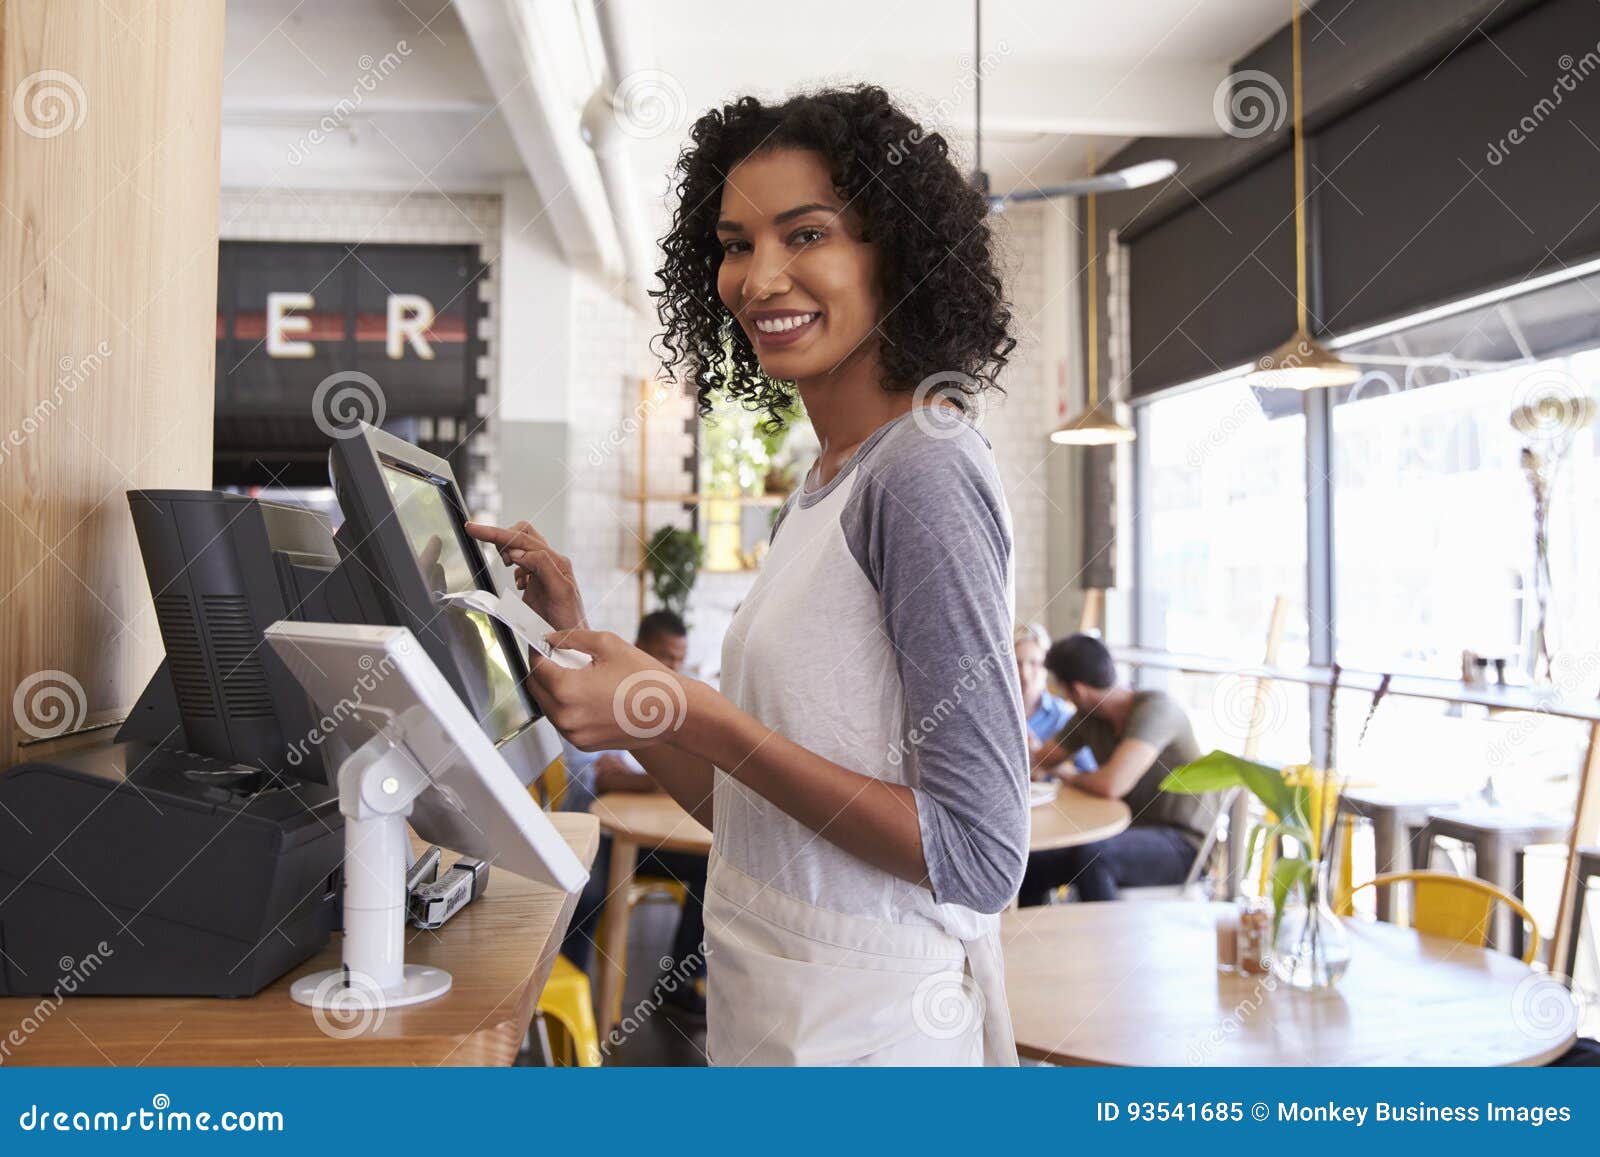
[
  {"x": 792, "y": 984},
  {"x": 814, "y": 956}
]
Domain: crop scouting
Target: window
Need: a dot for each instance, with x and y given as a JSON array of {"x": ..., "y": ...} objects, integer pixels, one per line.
[
  {"x": 1222, "y": 521},
  {"x": 1433, "y": 542},
  {"x": 1432, "y": 548}
]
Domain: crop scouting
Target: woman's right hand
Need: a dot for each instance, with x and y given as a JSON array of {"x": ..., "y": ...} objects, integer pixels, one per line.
[{"x": 543, "y": 576}]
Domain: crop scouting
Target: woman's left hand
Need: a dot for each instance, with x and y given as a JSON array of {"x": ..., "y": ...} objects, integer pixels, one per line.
[{"x": 623, "y": 699}]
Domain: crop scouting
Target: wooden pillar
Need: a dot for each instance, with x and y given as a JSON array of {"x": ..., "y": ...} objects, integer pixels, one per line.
[{"x": 108, "y": 292}]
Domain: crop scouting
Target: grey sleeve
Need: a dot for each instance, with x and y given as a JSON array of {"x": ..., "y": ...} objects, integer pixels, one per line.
[
  {"x": 927, "y": 525},
  {"x": 1157, "y": 720}
]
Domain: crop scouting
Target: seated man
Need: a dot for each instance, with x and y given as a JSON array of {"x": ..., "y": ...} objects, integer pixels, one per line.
[
  {"x": 663, "y": 636},
  {"x": 1137, "y": 737},
  {"x": 1046, "y": 713}
]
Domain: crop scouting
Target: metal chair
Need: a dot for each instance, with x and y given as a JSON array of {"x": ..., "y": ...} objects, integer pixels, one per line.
[
  {"x": 1497, "y": 836},
  {"x": 1392, "y": 815},
  {"x": 1586, "y": 867},
  {"x": 1458, "y": 908}
]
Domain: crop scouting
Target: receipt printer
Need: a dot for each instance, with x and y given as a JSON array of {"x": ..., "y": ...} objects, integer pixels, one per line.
[{"x": 201, "y": 877}]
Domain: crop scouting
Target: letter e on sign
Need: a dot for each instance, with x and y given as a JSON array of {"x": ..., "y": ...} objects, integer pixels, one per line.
[{"x": 281, "y": 323}]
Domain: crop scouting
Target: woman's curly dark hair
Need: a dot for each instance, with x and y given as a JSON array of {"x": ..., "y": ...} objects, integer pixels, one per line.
[{"x": 945, "y": 308}]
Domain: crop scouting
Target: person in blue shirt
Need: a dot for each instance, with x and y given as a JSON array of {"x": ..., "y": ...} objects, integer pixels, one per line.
[{"x": 1047, "y": 714}]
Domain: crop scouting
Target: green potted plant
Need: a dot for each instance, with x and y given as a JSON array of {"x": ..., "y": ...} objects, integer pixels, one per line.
[
  {"x": 1310, "y": 947},
  {"x": 672, "y": 558}
]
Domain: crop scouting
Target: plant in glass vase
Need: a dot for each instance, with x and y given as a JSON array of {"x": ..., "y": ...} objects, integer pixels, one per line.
[{"x": 1310, "y": 948}]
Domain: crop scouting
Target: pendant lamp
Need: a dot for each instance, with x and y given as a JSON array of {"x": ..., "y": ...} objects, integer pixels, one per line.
[
  {"x": 1092, "y": 427},
  {"x": 1302, "y": 362}
]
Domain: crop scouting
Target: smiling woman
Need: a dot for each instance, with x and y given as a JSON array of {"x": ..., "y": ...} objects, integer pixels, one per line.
[
  {"x": 867, "y": 209},
  {"x": 864, "y": 770}
]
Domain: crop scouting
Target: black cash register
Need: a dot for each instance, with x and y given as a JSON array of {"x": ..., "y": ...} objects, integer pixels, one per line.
[{"x": 204, "y": 845}]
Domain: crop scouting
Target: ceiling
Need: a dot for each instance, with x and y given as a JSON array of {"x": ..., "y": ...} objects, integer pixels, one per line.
[
  {"x": 393, "y": 88},
  {"x": 1061, "y": 77}
]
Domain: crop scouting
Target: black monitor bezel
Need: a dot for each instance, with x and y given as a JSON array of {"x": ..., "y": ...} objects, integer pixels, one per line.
[{"x": 356, "y": 465}]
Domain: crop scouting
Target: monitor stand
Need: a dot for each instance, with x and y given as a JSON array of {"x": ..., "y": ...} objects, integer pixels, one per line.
[{"x": 377, "y": 785}]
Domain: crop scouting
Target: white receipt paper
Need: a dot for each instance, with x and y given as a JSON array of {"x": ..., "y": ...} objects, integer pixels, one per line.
[{"x": 525, "y": 623}]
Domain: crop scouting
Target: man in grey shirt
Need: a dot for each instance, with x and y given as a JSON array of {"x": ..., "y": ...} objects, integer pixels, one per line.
[{"x": 1137, "y": 737}]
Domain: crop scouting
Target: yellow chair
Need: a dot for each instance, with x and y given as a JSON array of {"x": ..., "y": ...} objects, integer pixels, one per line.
[
  {"x": 568, "y": 1002},
  {"x": 566, "y": 999},
  {"x": 1457, "y": 907}
]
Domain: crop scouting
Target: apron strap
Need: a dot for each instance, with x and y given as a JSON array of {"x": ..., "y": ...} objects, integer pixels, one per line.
[{"x": 988, "y": 973}]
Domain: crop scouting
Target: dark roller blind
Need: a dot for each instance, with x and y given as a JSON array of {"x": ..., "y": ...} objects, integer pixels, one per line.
[
  {"x": 1213, "y": 285},
  {"x": 1435, "y": 198}
]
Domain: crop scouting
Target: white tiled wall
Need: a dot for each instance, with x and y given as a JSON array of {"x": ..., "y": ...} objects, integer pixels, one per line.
[
  {"x": 603, "y": 539},
  {"x": 1018, "y": 424}
]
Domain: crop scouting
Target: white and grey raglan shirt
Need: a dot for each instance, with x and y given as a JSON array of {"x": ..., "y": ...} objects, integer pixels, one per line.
[{"x": 878, "y": 635}]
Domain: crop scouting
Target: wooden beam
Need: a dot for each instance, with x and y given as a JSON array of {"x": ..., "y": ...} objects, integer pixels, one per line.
[
  {"x": 1585, "y": 831},
  {"x": 109, "y": 161}
]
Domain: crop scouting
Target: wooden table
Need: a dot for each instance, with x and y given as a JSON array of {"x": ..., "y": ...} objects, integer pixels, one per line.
[
  {"x": 499, "y": 952},
  {"x": 1135, "y": 983},
  {"x": 1075, "y": 817},
  {"x": 634, "y": 820}
]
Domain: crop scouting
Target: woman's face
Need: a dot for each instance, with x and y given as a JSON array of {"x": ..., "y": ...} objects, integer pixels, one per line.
[
  {"x": 795, "y": 273},
  {"x": 1030, "y": 670}
]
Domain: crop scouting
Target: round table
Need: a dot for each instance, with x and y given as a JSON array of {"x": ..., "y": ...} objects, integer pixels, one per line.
[
  {"x": 633, "y": 820},
  {"x": 1135, "y": 983},
  {"x": 1075, "y": 817}
]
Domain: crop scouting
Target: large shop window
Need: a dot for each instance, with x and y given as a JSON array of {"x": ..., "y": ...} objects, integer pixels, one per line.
[
  {"x": 1223, "y": 500},
  {"x": 1221, "y": 518},
  {"x": 1433, "y": 531}
]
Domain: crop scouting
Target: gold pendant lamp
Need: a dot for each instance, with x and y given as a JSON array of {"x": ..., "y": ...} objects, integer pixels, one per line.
[
  {"x": 1091, "y": 427},
  {"x": 1302, "y": 362}
]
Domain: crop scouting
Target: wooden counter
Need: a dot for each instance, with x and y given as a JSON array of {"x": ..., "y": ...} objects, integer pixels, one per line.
[{"x": 499, "y": 952}]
